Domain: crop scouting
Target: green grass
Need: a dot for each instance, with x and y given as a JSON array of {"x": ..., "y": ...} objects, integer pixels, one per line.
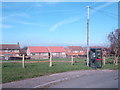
[
  {"x": 110, "y": 66},
  {"x": 14, "y": 71},
  {"x": 54, "y": 59}
]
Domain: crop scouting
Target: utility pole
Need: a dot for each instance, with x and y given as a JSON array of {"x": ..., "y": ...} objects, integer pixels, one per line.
[{"x": 88, "y": 20}]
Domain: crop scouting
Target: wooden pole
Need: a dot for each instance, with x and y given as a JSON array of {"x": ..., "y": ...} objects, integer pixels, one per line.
[
  {"x": 116, "y": 60},
  {"x": 72, "y": 62},
  {"x": 103, "y": 60},
  {"x": 23, "y": 61},
  {"x": 50, "y": 60}
]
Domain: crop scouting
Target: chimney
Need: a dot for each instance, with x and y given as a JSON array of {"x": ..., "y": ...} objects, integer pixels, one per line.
[{"x": 18, "y": 43}]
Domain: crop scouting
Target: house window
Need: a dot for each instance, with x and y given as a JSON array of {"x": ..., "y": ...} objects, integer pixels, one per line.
[
  {"x": 76, "y": 51},
  {"x": 17, "y": 55},
  {"x": 33, "y": 54},
  {"x": 44, "y": 53},
  {"x": 3, "y": 50},
  {"x": 6, "y": 50},
  {"x": 54, "y": 53},
  {"x": 36, "y": 53},
  {"x": 63, "y": 53},
  {"x": 9, "y": 50},
  {"x": 16, "y": 50}
]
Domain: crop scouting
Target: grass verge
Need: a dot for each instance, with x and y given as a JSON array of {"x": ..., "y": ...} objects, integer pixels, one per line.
[{"x": 14, "y": 71}]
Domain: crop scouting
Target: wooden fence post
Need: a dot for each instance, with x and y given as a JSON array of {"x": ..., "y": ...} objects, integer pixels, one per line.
[
  {"x": 50, "y": 60},
  {"x": 103, "y": 60},
  {"x": 72, "y": 62},
  {"x": 116, "y": 60},
  {"x": 23, "y": 61}
]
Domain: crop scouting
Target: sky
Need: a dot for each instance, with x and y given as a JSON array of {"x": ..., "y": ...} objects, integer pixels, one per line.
[{"x": 57, "y": 23}]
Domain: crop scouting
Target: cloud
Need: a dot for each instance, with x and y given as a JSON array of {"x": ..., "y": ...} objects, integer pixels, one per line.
[
  {"x": 23, "y": 22},
  {"x": 13, "y": 16},
  {"x": 69, "y": 20},
  {"x": 73, "y": 19},
  {"x": 38, "y": 5},
  {"x": 31, "y": 23},
  {"x": 52, "y": 3},
  {"x": 102, "y": 6},
  {"x": 6, "y": 26},
  {"x": 43, "y": 4},
  {"x": 22, "y": 14}
]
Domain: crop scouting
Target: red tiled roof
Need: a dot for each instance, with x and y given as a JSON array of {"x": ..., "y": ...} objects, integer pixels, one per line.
[
  {"x": 56, "y": 49},
  {"x": 74, "y": 48},
  {"x": 9, "y": 46},
  {"x": 38, "y": 49}
]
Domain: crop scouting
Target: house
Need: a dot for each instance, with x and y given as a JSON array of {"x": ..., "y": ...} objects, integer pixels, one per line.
[
  {"x": 57, "y": 51},
  {"x": 23, "y": 52},
  {"x": 75, "y": 50},
  {"x": 9, "y": 50},
  {"x": 105, "y": 50},
  {"x": 37, "y": 52}
]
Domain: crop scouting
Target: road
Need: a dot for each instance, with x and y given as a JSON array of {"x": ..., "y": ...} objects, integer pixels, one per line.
[
  {"x": 72, "y": 79},
  {"x": 96, "y": 80}
]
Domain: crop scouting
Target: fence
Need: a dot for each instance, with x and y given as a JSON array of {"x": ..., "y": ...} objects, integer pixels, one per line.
[{"x": 110, "y": 59}]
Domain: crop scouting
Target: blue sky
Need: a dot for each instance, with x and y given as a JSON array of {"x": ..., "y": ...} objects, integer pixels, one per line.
[{"x": 57, "y": 23}]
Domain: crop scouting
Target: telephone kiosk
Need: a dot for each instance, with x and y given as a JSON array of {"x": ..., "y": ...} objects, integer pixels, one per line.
[{"x": 95, "y": 57}]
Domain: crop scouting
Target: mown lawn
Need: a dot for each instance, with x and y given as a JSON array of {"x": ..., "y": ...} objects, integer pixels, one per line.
[
  {"x": 54, "y": 59},
  {"x": 14, "y": 71}
]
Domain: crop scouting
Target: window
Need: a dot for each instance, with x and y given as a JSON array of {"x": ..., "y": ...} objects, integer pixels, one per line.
[
  {"x": 33, "y": 54},
  {"x": 6, "y": 50},
  {"x": 36, "y": 53},
  {"x": 76, "y": 51},
  {"x": 17, "y": 55},
  {"x": 54, "y": 53},
  {"x": 63, "y": 53},
  {"x": 9, "y": 50},
  {"x": 44, "y": 53},
  {"x": 3, "y": 50},
  {"x": 16, "y": 50}
]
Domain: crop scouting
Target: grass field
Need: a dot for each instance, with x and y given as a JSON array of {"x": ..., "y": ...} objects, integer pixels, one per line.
[
  {"x": 14, "y": 71},
  {"x": 54, "y": 59}
]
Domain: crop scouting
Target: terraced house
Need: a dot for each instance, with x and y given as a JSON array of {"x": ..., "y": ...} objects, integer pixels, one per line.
[
  {"x": 57, "y": 51},
  {"x": 9, "y": 50},
  {"x": 37, "y": 52},
  {"x": 75, "y": 50}
]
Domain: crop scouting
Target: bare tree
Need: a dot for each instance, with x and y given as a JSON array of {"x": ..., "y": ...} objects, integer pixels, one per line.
[
  {"x": 24, "y": 48},
  {"x": 114, "y": 38}
]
